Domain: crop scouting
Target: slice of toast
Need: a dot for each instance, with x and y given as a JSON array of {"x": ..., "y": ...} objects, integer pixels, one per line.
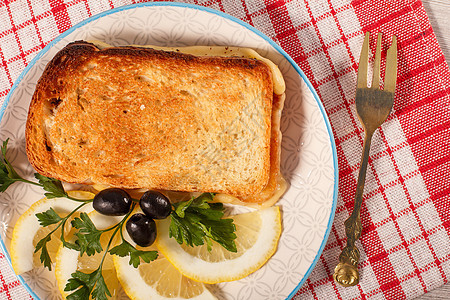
[{"x": 134, "y": 117}]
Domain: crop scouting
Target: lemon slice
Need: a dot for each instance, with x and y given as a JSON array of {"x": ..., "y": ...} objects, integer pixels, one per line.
[
  {"x": 68, "y": 261},
  {"x": 257, "y": 233},
  {"x": 27, "y": 231},
  {"x": 158, "y": 280}
]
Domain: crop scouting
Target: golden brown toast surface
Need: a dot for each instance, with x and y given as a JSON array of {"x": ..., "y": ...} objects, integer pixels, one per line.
[{"x": 143, "y": 118}]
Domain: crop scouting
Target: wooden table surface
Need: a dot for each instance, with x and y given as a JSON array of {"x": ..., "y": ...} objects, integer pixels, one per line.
[{"x": 439, "y": 11}]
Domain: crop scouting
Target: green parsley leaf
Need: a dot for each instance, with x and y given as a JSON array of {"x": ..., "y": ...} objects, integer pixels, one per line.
[
  {"x": 72, "y": 246},
  {"x": 8, "y": 175},
  {"x": 5, "y": 180},
  {"x": 45, "y": 256},
  {"x": 9, "y": 168},
  {"x": 88, "y": 235},
  {"x": 85, "y": 284},
  {"x": 54, "y": 187},
  {"x": 199, "y": 221},
  {"x": 203, "y": 200},
  {"x": 48, "y": 217},
  {"x": 199, "y": 202},
  {"x": 126, "y": 249},
  {"x": 80, "y": 294},
  {"x": 100, "y": 290},
  {"x": 181, "y": 207},
  {"x": 4, "y": 147},
  {"x": 80, "y": 283}
]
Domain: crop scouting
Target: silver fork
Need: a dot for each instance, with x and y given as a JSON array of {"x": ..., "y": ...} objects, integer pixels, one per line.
[{"x": 373, "y": 107}]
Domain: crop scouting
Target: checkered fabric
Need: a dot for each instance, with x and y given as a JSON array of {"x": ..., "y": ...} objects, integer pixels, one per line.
[{"x": 405, "y": 245}]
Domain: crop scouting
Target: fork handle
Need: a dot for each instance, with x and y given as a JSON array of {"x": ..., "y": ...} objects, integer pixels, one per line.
[{"x": 346, "y": 272}]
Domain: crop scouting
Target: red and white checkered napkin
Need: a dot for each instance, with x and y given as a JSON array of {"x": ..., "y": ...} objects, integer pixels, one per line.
[{"x": 405, "y": 244}]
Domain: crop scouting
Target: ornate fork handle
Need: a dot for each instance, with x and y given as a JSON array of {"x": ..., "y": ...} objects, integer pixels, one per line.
[
  {"x": 346, "y": 272},
  {"x": 373, "y": 106}
]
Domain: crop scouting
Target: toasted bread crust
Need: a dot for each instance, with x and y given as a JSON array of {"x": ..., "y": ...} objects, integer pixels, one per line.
[{"x": 143, "y": 118}]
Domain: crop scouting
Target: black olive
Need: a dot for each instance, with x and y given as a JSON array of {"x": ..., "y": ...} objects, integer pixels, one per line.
[
  {"x": 141, "y": 229},
  {"x": 155, "y": 205},
  {"x": 112, "y": 202}
]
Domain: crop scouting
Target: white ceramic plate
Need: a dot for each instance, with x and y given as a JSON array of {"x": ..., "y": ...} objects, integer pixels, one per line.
[{"x": 309, "y": 160}]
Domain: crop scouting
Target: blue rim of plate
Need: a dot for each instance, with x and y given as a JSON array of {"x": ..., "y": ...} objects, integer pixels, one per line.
[{"x": 247, "y": 26}]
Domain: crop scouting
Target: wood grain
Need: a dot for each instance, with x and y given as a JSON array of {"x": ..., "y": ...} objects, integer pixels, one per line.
[{"x": 438, "y": 12}]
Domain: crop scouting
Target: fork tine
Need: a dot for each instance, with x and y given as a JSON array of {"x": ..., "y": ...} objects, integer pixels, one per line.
[
  {"x": 377, "y": 64},
  {"x": 391, "y": 67},
  {"x": 363, "y": 63}
]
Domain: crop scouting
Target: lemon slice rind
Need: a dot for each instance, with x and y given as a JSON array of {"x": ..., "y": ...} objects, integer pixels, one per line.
[
  {"x": 229, "y": 269},
  {"x": 27, "y": 226},
  {"x": 133, "y": 279},
  {"x": 70, "y": 259}
]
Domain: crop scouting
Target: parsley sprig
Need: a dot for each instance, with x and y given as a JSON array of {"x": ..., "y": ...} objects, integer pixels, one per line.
[
  {"x": 88, "y": 239},
  {"x": 8, "y": 176},
  {"x": 91, "y": 284},
  {"x": 48, "y": 218},
  {"x": 126, "y": 249},
  {"x": 199, "y": 221}
]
